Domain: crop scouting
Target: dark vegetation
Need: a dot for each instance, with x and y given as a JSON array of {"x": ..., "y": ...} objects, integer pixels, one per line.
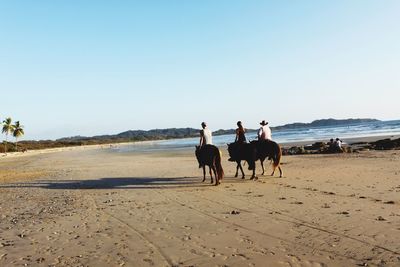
[{"x": 128, "y": 136}]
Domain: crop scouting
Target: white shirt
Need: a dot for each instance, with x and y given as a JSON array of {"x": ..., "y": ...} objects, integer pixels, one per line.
[
  {"x": 338, "y": 143},
  {"x": 207, "y": 136},
  {"x": 264, "y": 133}
]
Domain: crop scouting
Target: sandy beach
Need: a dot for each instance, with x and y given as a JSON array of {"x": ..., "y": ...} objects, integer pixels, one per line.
[{"x": 95, "y": 207}]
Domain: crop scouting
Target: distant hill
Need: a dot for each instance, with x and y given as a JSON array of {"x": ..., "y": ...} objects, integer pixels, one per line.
[
  {"x": 172, "y": 133},
  {"x": 323, "y": 123},
  {"x": 300, "y": 125}
]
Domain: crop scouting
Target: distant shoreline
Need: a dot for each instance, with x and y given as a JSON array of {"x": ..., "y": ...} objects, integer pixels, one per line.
[
  {"x": 115, "y": 145},
  {"x": 289, "y": 133}
]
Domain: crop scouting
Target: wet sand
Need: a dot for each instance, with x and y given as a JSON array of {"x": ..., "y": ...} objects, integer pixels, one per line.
[{"x": 94, "y": 207}]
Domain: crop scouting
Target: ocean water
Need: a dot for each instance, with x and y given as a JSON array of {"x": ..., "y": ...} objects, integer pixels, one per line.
[{"x": 381, "y": 128}]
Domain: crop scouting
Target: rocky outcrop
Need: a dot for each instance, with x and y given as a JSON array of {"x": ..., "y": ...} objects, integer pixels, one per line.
[
  {"x": 386, "y": 144},
  {"x": 324, "y": 148}
]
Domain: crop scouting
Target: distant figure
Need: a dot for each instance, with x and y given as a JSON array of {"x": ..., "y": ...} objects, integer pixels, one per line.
[
  {"x": 240, "y": 133},
  {"x": 331, "y": 146},
  {"x": 205, "y": 135},
  {"x": 338, "y": 145},
  {"x": 264, "y": 133}
]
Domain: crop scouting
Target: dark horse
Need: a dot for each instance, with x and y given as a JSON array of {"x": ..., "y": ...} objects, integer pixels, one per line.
[
  {"x": 243, "y": 151},
  {"x": 271, "y": 150},
  {"x": 255, "y": 150},
  {"x": 211, "y": 156}
]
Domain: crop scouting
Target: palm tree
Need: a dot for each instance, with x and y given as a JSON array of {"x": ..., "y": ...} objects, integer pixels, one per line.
[
  {"x": 7, "y": 129},
  {"x": 18, "y": 132}
]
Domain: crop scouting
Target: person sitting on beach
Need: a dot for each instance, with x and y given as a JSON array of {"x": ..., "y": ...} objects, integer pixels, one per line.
[
  {"x": 338, "y": 145},
  {"x": 331, "y": 146},
  {"x": 264, "y": 133},
  {"x": 205, "y": 135}
]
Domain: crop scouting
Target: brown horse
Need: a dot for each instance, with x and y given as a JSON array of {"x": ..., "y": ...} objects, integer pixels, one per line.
[
  {"x": 271, "y": 150},
  {"x": 209, "y": 155}
]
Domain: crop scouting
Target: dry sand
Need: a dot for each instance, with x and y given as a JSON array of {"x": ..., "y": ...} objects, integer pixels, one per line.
[{"x": 94, "y": 207}]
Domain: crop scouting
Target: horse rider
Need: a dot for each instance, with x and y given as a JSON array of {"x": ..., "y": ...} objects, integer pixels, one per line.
[
  {"x": 240, "y": 131},
  {"x": 205, "y": 135},
  {"x": 264, "y": 133},
  {"x": 239, "y": 139}
]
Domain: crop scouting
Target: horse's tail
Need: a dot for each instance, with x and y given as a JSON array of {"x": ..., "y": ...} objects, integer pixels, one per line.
[
  {"x": 218, "y": 164},
  {"x": 277, "y": 156}
]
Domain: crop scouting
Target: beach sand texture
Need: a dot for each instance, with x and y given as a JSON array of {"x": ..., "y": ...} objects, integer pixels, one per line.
[{"x": 99, "y": 208}]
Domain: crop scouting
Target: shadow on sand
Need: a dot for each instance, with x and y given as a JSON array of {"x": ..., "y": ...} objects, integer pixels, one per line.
[{"x": 119, "y": 183}]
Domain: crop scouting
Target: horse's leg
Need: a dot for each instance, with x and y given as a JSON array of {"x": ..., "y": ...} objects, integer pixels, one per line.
[
  {"x": 237, "y": 170},
  {"x": 262, "y": 166},
  {"x": 254, "y": 175},
  {"x": 241, "y": 169},
  {"x": 215, "y": 175},
  {"x": 273, "y": 170},
  {"x": 280, "y": 171},
  {"x": 209, "y": 168},
  {"x": 204, "y": 174}
]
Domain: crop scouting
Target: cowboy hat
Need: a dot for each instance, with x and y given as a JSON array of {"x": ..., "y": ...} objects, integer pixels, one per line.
[{"x": 263, "y": 123}]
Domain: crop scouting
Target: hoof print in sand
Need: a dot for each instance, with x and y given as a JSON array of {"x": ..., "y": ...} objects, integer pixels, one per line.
[
  {"x": 389, "y": 202},
  {"x": 380, "y": 218},
  {"x": 297, "y": 202}
]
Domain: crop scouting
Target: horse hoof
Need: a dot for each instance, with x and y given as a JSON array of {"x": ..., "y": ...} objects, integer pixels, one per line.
[{"x": 242, "y": 177}]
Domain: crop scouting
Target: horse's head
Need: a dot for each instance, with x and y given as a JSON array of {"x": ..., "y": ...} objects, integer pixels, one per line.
[
  {"x": 230, "y": 149},
  {"x": 254, "y": 141},
  {"x": 197, "y": 153}
]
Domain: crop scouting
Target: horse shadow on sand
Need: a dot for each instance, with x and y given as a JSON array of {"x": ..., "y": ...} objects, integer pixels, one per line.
[{"x": 119, "y": 183}]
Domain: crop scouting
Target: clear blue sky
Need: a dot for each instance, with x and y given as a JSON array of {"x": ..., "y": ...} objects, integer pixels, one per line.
[{"x": 103, "y": 67}]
